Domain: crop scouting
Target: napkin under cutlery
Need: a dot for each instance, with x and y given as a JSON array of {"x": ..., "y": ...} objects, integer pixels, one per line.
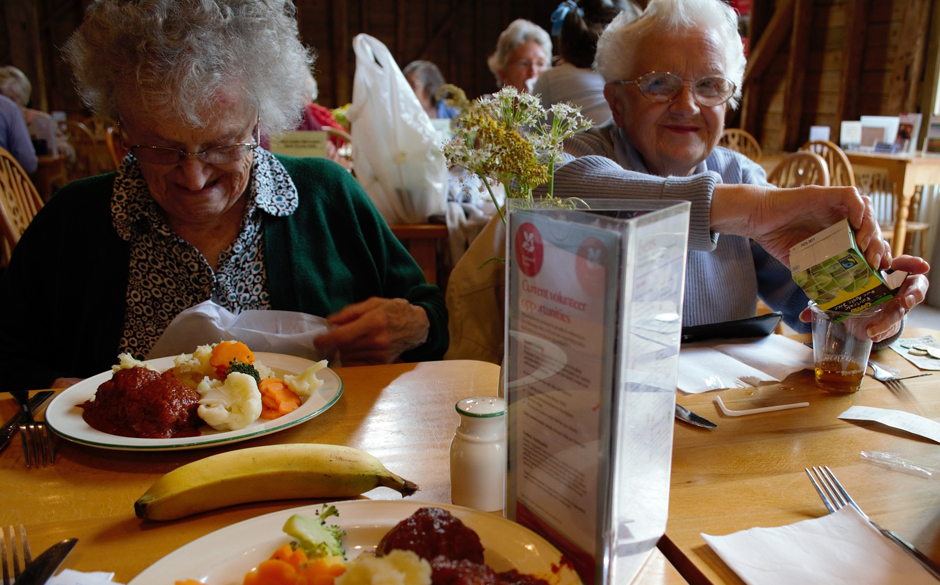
[{"x": 839, "y": 548}]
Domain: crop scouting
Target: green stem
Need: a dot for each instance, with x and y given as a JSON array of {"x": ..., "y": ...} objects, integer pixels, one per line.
[{"x": 493, "y": 197}]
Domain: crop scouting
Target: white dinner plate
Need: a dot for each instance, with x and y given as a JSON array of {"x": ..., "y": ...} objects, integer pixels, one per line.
[
  {"x": 224, "y": 556},
  {"x": 64, "y": 415}
]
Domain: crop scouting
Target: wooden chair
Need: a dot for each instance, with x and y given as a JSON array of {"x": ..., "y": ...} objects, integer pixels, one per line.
[
  {"x": 19, "y": 203},
  {"x": 116, "y": 148},
  {"x": 741, "y": 142},
  {"x": 98, "y": 125},
  {"x": 885, "y": 201},
  {"x": 427, "y": 244},
  {"x": 840, "y": 169},
  {"x": 91, "y": 155},
  {"x": 799, "y": 169}
]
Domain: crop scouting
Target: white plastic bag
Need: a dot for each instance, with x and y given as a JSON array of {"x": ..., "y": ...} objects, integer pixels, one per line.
[{"x": 395, "y": 154}]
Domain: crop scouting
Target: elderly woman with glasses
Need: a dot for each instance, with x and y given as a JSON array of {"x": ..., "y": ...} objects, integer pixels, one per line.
[
  {"x": 197, "y": 211},
  {"x": 523, "y": 51},
  {"x": 671, "y": 75}
]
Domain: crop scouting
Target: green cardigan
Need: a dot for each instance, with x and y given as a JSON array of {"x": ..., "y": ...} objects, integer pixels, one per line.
[{"x": 63, "y": 294}]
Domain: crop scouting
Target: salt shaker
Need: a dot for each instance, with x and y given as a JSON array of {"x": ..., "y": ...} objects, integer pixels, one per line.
[{"x": 478, "y": 454}]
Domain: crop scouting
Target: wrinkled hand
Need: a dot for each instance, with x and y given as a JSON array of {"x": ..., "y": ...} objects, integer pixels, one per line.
[
  {"x": 912, "y": 292},
  {"x": 375, "y": 331},
  {"x": 778, "y": 219}
]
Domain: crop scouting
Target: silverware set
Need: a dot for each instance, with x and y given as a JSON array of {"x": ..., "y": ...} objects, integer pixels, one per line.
[
  {"x": 835, "y": 497},
  {"x": 18, "y": 566},
  {"x": 38, "y": 442}
]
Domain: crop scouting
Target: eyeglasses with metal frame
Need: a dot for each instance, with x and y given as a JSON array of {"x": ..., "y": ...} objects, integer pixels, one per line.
[
  {"x": 663, "y": 86},
  {"x": 217, "y": 155}
]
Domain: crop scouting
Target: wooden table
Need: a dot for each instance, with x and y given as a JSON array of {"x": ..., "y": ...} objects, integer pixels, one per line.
[
  {"x": 403, "y": 414},
  {"x": 906, "y": 171},
  {"x": 749, "y": 471}
]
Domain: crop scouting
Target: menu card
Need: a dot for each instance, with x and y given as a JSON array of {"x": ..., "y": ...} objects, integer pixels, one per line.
[
  {"x": 302, "y": 143},
  {"x": 593, "y": 326}
]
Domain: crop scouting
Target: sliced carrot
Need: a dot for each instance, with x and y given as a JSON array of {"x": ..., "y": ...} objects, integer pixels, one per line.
[
  {"x": 272, "y": 572},
  {"x": 295, "y": 557},
  {"x": 188, "y": 582},
  {"x": 226, "y": 352},
  {"x": 276, "y": 398},
  {"x": 321, "y": 571}
]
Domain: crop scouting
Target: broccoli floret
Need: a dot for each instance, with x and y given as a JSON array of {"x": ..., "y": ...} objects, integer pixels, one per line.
[
  {"x": 243, "y": 368},
  {"x": 316, "y": 538}
]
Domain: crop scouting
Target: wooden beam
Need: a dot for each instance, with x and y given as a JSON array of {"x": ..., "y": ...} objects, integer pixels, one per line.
[
  {"x": 441, "y": 31},
  {"x": 853, "y": 50},
  {"x": 930, "y": 100},
  {"x": 770, "y": 42},
  {"x": 342, "y": 93},
  {"x": 906, "y": 66},
  {"x": 796, "y": 73},
  {"x": 750, "y": 109}
]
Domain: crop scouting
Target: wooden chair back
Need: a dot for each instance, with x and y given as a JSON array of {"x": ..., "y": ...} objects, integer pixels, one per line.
[
  {"x": 91, "y": 155},
  {"x": 840, "y": 169},
  {"x": 884, "y": 199},
  {"x": 116, "y": 148},
  {"x": 19, "y": 203},
  {"x": 741, "y": 142},
  {"x": 98, "y": 126},
  {"x": 799, "y": 169}
]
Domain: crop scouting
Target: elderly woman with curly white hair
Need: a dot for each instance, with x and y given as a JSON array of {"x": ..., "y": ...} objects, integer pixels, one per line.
[
  {"x": 197, "y": 211},
  {"x": 523, "y": 51}
]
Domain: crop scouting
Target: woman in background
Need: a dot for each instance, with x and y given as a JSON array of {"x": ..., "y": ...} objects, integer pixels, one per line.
[
  {"x": 426, "y": 79},
  {"x": 43, "y": 130},
  {"x": 577, "y": 26},
  {"x": 523, "y": 51}
]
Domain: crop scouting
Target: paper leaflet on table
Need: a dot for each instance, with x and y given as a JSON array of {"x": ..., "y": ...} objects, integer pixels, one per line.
[
  {"x": 716, "y": 365},
  {"x": 284, "y": 332},
  {"x": 897, "y": 419},
  {"x": 838, "y": 548}
]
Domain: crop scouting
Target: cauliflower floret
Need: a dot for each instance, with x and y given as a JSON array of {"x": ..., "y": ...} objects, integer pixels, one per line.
[
  {"x": 402, "y": 567},
  {"x": 196, "y": 362},
  {"x": 263, "y": 370},
  {"x": 230, "y": 405},
  {"x": 126, "y": 361},
  {"x": 307, "y": 381}
]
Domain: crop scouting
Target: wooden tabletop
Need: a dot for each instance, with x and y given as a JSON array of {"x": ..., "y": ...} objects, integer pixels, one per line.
[
  {"x": 749, "y": 471},
  {"x": 403, "y": 414}
]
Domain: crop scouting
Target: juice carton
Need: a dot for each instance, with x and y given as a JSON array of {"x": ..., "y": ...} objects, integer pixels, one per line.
[{"x": 832, "y": 271}]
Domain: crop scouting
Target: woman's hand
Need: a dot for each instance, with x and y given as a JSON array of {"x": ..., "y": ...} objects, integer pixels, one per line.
[
  {"x": 375, "y": 331},
  {"x": 778, "y": 219},
  {"x": 912, "y": 292}
]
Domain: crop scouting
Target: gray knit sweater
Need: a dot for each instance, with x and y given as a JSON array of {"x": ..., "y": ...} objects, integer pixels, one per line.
[{"x": 723, "y": 280}]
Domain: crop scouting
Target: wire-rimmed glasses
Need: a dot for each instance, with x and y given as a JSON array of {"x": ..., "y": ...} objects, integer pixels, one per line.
[
  {"x": 217, "y": 155},
  {"x": 663, "y": 86}
]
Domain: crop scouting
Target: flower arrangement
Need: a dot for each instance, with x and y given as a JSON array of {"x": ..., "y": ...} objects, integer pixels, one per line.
[{"x": 510, "y": 138}]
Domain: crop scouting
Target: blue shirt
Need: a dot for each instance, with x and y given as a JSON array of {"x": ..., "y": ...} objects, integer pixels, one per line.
[{"x": 14, "y": 136}]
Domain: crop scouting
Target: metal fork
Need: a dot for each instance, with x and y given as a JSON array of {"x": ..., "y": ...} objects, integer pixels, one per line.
[
  {"x": 893, "y": 382},
  {"x": 38, "y": 443},
  {"x": 10, "y": 576},
  {"x": 834, "y": 496}
]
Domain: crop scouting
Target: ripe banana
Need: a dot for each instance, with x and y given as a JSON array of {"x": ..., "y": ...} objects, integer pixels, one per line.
[{"x": 273, "y": 472}]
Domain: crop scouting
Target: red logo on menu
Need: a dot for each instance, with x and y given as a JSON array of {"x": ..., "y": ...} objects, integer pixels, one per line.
[{"x": 529, "y": 249}]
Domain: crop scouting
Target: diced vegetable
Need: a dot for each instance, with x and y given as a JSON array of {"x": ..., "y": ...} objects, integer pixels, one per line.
[
  {"x": 226, "y": 352},
  {"x": 316, "y": 538},
  {"x": 276, "y": 399}
]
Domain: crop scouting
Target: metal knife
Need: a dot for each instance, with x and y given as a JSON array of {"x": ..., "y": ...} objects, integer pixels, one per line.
[
  {"x": 9, "y": 429},
  {"x": 686, "y": 415},
  {"x": 44, "y": 566}
]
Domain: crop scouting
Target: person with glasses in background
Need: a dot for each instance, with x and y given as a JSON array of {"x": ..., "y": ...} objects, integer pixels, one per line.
[
  {"x": 523, "y": 51},
  {"x": 197, "y": 211},
  {"x": 671, "y": 76}
]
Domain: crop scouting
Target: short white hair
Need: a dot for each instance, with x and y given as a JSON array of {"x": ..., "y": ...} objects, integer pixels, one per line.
[
  {"x": 618, "y": 46},
  {"x": 518, "y": 33}
]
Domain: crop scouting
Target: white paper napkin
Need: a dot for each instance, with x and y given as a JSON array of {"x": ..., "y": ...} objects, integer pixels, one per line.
[
  {"x": 284, "y": 332},
  {"x": 70, "y": 577},
  {"x": 714, "y": 365},
  {"x": 838, "y": 548},
  {"x": 897, "y": 419}
]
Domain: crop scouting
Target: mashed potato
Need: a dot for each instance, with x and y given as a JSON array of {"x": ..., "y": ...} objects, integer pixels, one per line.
[{"x": 399, "y": 567}]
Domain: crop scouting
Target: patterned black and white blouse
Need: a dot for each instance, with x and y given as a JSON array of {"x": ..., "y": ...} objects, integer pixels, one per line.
[{"x": 168, "y": 275}]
